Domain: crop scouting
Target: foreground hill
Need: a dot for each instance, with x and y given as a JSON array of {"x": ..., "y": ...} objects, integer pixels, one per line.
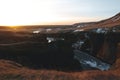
[{"x": 12, "y": 71}]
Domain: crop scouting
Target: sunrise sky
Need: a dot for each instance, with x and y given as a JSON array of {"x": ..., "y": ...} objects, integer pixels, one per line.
[{"x": 44, "y": 12}]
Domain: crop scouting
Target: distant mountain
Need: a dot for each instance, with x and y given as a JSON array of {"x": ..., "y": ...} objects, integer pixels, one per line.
[{"x": 110, "y": 22}]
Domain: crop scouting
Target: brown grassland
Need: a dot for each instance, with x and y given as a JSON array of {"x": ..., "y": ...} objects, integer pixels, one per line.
[{"x": 12, "y": 71}]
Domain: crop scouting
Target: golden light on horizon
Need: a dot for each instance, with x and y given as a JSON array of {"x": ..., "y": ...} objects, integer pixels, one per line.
[{"x": 14, "y": 28}]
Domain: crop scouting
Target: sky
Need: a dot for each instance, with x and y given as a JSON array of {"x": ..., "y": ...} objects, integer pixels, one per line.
[{"x": 54, "y": 12}]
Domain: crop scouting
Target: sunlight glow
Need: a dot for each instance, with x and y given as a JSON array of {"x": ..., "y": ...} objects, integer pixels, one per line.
[
  {"x": 21, "y": 12},
  {"x": 40, "y": 12},
  {"x": 14, "y": 28}
]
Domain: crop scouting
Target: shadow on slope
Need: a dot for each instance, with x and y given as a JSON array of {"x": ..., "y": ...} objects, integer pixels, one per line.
[{"x": 12, "y": 71}]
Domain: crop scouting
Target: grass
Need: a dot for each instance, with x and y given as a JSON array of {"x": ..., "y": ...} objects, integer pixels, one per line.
[{"x": 12, "y": 71}]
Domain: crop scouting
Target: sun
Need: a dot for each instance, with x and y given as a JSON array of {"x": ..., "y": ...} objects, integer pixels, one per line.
[{"x": 13, "y": 26}]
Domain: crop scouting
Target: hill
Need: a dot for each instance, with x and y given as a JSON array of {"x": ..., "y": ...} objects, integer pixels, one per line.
[
  {"x": 107, "y": 23},
  {"x": 10, "y": 70}
]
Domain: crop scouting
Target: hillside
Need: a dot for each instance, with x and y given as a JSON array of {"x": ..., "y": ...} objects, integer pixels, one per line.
[
  {"x": 12, "y": 71},
  {"x": 107, "y": 23}
]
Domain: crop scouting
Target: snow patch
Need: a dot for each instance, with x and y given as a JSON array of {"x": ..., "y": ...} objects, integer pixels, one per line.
[
  {"x": 48, "y": 30},
  {"x": 116, "y": 18},
  {"x": 51, "y": 39},
  {"x": 78, "y": 30},
  {"x": 36, "y": 32}
]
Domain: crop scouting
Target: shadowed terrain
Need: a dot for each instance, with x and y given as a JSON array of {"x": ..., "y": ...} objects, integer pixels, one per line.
[
  {"x": 85, "y": 51},
  {"x": 12, "y": 71}
]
